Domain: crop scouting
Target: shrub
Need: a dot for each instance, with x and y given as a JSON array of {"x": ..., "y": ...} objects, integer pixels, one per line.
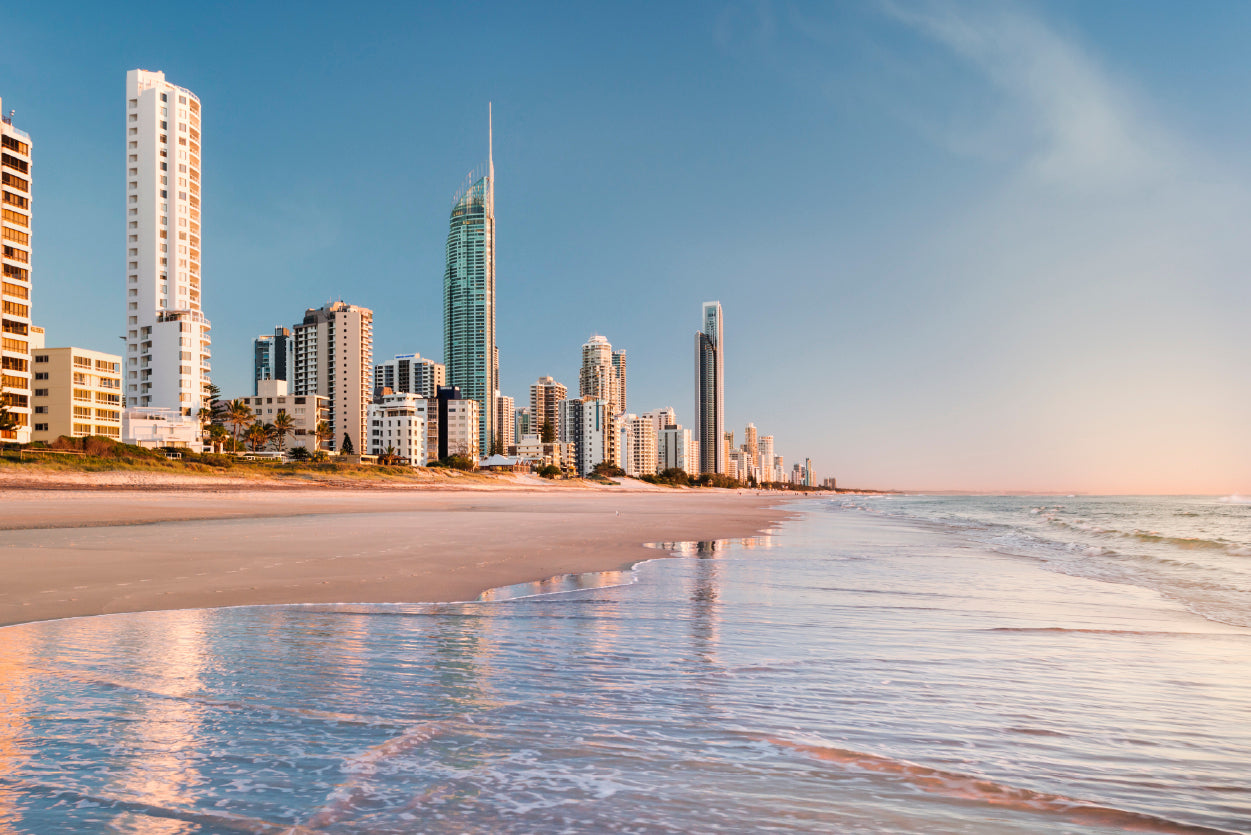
[{"x": 549, "y": 471}]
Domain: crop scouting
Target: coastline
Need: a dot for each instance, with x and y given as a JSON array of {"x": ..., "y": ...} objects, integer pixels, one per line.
[{"x": 74, "y": 553}]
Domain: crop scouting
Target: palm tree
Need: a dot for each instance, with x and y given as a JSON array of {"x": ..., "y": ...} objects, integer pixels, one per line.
[
  {"x": 256, "y": 436},
  {"x": 284, "y": 425},
  {"x": 323, "y": 432},
  {"x": 238, "y": 415},
  {"x": 217, "y": 436},
  {"x": 9, "y": 422},
  {"x": 388, "y": 456}
]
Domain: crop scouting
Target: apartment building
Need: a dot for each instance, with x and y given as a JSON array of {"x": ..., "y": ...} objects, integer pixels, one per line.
[
  {"x": 334, "y": 349},
  {"x": 15, "y": 258},
  {"x": 675, "y": 447},
  {"x": 306, "y": 411},
  {"x": 587, "y": 423},
  {"x": 167, "y": 335},
  {"x": 397, "y": 425},
  {"x": 410, "y": 374},
  {"x": 77, "y": 393},
  {"x": 638, "y": 445},
  {"x": 505, "y": 421},
  {"x": 273, "y": 357},
  {"x": 545, "y": 399}
]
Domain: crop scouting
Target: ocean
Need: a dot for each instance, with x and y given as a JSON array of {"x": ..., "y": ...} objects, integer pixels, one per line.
[{"x": 904, "y": 664}]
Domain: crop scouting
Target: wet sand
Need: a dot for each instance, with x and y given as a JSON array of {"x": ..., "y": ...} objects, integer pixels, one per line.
[{"x": 69, "y": 553}]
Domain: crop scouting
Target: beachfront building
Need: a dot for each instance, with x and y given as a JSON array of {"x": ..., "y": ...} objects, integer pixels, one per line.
[
  {"x": 410, "y": 374},
  {"x": 505, "y": 422},
  {"x": 737, "y": 465},
  {"x": 154, "y": 427},
  {"x": 638, "y": 445},
  {"x": 273, "y": 357},
  {"x": 750, "y": 440},
  {"x": 334, "y": 350},
  {"x": 167, "y": 335},
  {"x": 306, "y": 411},
  {"x": 587, "y": 423},
  {"x": 469, "y": 295},
  {"x": 534, "y": 452},
  {"x": 764, "y": 447},
  {"x": 675, "y": 447},
  {"x": 77, "y": 393},
  {"x": 397, "y": 426},
  {"x": 15, "y": 257},
  {"x": 602, "y": 374},
  {"x": 710, "y": 391},
  {"x": 810, "y": 479},
  {"x": 661, "y": 418},
  {"x": 546, "y": 396},
  {"x": 619, "y": 379},
  {"x": 458, "y": 424}
]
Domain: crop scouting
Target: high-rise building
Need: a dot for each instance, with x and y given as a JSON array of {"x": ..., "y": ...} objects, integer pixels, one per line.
[
  {"x": 469, "y": 348},
  {"x": 505, "y": 426},
  {"x": 15, "y": 383},
  {"x": 167, "y": 336},
  {"x": 764, "y": 457},
  {"x": 619, "y": 379},
  {"x": 638, "y": 447},
  {"x": 750, "y": 442},
  {"x": 662, "y": 418},
  {"x": 397, "y": 426},
  {"x": 545, "y": 398},
  {"x": 523, "y": 424},
  {"x": 676, "y": 448},
  {"x": 410, "y": 374},
  {"x": 273, "y": 357},
  {"x": 458, "y": 422},
  {"x": 334, "y": 352},
  {"x": 586, "y": 423},
  {"x": 710, "y": 390}
]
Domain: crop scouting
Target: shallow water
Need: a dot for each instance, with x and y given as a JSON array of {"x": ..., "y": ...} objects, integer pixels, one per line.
[{"x": 850, "y": 672}]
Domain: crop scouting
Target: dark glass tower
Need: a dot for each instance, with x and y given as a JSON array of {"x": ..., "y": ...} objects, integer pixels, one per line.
[{"x": 710, "y": 391}]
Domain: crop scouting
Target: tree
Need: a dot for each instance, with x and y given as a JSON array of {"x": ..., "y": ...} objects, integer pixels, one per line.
[
  {"x": 217, "y": 435},
  {"x": 549, "y": 471},
  {"x": 346, "y": 447},
  {"x": 9, "y": 422},
  {"x": 238, "y": 414},
  {"x": 497, "y": 446},
  {"x": 388, "y": 455},
  {"x": 323, "y": 432},
  {"x": 605, "y": 469},
  {"x": 299, "y": 453},
  {"x": 547, "y": 433},
  {"x": 284, "y": 425},
  {"x": 256, "y": 436}
]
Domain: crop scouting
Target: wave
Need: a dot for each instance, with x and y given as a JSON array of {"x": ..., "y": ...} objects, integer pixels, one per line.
[
  {"x": 1235, "y": 499},
  {"x": 977, "y": 789}
]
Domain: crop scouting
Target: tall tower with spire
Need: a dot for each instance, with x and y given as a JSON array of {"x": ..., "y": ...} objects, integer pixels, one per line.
[{"x": 469, "y": 349}]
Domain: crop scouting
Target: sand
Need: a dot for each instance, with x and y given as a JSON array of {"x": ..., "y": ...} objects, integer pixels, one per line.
[{"x": 69, "y": 553}]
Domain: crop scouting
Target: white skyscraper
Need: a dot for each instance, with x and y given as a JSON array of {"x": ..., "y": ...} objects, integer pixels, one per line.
[{"x": 167, "y": 336}]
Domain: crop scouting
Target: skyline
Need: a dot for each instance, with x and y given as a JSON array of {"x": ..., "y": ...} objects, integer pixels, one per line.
[{"x": 1032, "y": 282}]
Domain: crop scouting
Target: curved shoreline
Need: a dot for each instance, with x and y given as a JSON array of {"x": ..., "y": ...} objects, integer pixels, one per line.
[{"x": 108, "y": 552}]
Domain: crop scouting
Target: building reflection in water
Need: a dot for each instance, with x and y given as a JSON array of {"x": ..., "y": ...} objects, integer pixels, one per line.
[{"x": 17, "y": 685}]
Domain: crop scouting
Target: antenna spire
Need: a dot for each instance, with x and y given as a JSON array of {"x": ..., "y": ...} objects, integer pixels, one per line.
[{"x": 490, "y": 147}]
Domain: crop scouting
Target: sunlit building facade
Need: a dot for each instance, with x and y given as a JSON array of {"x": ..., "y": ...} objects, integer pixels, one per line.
[{"x": 15, "y": 163}]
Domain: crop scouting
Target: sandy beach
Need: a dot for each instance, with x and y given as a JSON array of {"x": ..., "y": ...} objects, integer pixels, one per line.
[{"x": 73, "y": 552}]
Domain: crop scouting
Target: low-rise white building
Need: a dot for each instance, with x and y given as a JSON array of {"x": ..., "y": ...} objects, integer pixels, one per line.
[
  {"x": 154, "y": 427},
  {"x": 588, "y": 425},
  {"x": 397, "y": 425}
]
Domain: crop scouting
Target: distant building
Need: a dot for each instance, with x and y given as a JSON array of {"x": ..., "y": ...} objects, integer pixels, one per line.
[
  {"x": 829, "y": 483},
  {"x": 469, "y": 347},
  {"x": 273, "y": 357},
  {"x": 588, "y": 425},
  {"x": 661, "y": 418},
  {"x": 505, "y": 417},
  {"x": 533, "y": 451},
  {"x": 334, "y": 348},
  {"x": 675, "y": 447},
  {"x": 410, "y": 374},
  {"x": 810, "y": 479},
  {"x": 167, "y": 335},
  {"x": 638, "y": 448},
  {"x": 710, "y": 390},
  {"x": 737, "y": 465},
  {"x": 15, "y": 256},
  {"x": 619, "y": 376},
  {"x": 397, "y": 425},
  {"x": 545, "y": 398},
  {"x": 523, "y": 424},
  {"x": 306, "y": 411},
  {"x": 764, "y": 459},
  {"x": 458, "y": 423},
  {"x": 77, "y": 393}
]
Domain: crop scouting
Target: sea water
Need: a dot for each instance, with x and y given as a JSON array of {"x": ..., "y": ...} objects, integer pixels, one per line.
[{"x": 884, "y": 664}]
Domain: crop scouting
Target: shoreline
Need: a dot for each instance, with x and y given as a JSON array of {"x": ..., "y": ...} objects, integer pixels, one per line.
[{"x": 68, "y": 553}]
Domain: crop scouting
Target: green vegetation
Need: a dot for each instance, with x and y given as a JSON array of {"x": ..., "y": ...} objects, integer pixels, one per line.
[
  {"x": 547, "y": 433},
  {"x": 456, "y": 462},
  {"x": 346, "y": 447},
  {"x": 549, "y": 471}
]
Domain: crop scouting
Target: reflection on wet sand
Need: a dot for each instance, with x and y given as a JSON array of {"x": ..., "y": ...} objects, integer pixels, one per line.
[{"x": 16, "y": 691}]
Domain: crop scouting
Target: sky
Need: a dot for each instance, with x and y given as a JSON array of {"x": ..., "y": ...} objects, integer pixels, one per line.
[{"x": 991, "y": 246}]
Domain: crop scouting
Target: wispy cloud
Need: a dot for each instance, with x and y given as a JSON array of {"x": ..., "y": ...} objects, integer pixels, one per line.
[{"x": 1080, "y": 125}]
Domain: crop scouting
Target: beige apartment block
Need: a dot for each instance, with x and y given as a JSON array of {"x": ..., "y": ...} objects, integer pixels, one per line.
[
  {"x": 306, "y": 411},
  {"x": 15, "y": 257},
  {"x": 77, "y": 393},
  {"x": 334, "y": 354}
]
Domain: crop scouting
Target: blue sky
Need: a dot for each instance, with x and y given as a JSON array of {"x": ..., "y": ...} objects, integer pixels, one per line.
[{"x": 958, "y": 245}]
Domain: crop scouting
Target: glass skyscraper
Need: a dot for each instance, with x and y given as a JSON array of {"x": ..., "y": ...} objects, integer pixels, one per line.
[
  {"x": 710, "y": 391},
  {"x": 469, "y": 350}
]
